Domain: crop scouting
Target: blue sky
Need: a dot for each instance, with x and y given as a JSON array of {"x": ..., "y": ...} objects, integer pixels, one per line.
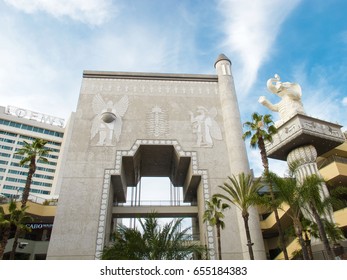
[{"x": 46, "y": 45}]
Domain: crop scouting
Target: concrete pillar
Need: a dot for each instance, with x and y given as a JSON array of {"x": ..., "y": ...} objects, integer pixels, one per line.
[
  {"x": 231, "y": 115},
  {"x": 237, "y": 154}
]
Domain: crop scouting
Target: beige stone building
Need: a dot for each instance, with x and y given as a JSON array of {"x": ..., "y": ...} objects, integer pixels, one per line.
[{"x": 133, "y": 125}]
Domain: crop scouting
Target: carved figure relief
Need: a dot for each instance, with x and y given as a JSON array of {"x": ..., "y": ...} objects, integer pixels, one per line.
[
  {"x": 108, "y": 120},
  {"x": 157, "y": 124},
  {"x": 290, "y": 94},
  {"x": 205, "y": 127}
]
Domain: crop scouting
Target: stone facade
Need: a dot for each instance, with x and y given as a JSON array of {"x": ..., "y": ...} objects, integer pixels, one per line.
[{"x": 128, "y": 125}]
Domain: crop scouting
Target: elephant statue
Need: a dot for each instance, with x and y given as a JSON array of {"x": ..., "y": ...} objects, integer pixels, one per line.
[{"x": 290, "y": 94}]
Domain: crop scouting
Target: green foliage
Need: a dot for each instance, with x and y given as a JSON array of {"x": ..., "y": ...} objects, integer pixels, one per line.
[
  {"x": 242, "y": 191},
  {"x": 261, "y": 127},
  {"x": 152, "y": 242},
  {"x": 214, "y": 216},
  {"x": 18, "y": 218},
  {"x": 286, "y": 191},
  {"x": 4, "y": 223},
  {"x": 35, "y": 150},
  {"x": 214, "y": 212},
  {"x": 334, "y": 233}
]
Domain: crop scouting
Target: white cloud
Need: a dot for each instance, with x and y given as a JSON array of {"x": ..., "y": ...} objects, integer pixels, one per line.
[
  {"x": 344, "y": 101},
  {"x": 321, "y": 96},
  {"x": 94, "y": 12},
  {"x": 44, "y": 76},
  {"x": 251, "y": 28}
]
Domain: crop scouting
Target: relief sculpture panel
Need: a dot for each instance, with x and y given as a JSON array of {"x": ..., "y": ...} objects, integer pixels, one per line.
[
  {"x": 107, "y": 123},
  {"x": 205, "y": 127}
]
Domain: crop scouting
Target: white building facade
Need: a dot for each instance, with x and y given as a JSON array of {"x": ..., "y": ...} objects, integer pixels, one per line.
[{"x": 16, "y": 126}]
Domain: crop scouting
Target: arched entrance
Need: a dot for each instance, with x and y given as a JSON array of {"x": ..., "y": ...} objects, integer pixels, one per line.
[{"x": 155, "y": 158}]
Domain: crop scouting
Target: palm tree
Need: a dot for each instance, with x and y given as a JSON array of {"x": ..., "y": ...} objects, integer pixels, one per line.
[
  {"x": 333, "y": 232},
  {"x": 152, "y": 242},
  {"x": 242, "y": 191},
  {"x": 288, "y": 192},
  {"x": 260, "y": 130},
  {"x": 17, "y": 218},
  {"x": 5, "y": 227},
  {"x": 36, "y": 151},
  {"x": 214, "y": 216},
  {"x": 317, "y": 206}
]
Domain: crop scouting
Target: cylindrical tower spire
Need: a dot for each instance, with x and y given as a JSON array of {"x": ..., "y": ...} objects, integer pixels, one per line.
[
  {"x": 232, "y": 119},
  {"x": 237, "y": 151}
]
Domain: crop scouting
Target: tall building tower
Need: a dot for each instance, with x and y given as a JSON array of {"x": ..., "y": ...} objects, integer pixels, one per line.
[
  {"x": 133, "y": 125},
  {"x": 18, "y": 125}
]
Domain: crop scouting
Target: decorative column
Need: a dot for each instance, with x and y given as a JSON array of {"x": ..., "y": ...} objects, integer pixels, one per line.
[
  {"x": 299, "y": 138},
  {"x": 305, "y": 158}
]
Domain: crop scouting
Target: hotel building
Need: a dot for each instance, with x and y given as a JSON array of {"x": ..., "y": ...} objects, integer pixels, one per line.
[{"x": 16, "y": 126}]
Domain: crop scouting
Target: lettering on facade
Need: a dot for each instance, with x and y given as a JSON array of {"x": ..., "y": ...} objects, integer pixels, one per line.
[
  {"x": 39, "y": 226},
  {"x": 35, "y": 116}
]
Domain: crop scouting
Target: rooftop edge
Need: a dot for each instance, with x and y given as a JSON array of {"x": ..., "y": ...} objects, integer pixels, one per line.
[{"x": 149, "y": 76}]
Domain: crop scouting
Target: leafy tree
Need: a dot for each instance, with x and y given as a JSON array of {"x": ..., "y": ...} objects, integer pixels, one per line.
[
  {"x": 5, "y": 227},
  {"x": 36, "y": 151},
  {"x": 152, "y": 242},
  {"x": 289, "y": 192},
  {"x": 261, "y": 129},
  {"x": 242, "y": 191},
  {"x": 18, "y": 218},
  {"x": 307, "y": 234},
  {"x": 333, "y": 232},
  {"x": 214, "y": 216},
  {"x": 319, "y": 207}
]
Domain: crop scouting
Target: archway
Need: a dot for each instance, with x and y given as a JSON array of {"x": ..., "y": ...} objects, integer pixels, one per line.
[{"x": 155, "y": 158}]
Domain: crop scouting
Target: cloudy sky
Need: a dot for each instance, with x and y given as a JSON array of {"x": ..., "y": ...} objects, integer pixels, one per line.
[{"x": 46, "y": 45}]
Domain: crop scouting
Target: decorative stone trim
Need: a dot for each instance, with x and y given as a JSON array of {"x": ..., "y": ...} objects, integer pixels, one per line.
[
  {"x": 209, "y": 229},
  {"x": 302, "y": 155},
  {"x": 103, "y": 213},
  {"x": 150, "y": 87}
]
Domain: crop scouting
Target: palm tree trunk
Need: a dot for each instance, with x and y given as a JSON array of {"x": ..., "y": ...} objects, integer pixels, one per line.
[
  {"x": 5, "y": 236},
  {"x": 322, "y": 233},
  {"x": 308, "y": 245},
  {"x": 32, "y": 169},
  {"x": 261, "y": 146},
  {"x": 248, "y": 235},
  {"x": 15, "y": 243},
  {"x": 278, "y": 224},
  {"x": 298, "y": 233},
  {"x": 281, "y": 234},
  {"x": 219, "y": 242}
]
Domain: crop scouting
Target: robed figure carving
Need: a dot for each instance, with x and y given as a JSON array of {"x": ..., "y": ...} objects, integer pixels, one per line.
[{"x": 205, "y": 127}]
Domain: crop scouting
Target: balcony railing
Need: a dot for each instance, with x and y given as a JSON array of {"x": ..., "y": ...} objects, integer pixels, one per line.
[
  {"x": 154, "y": 203},
  {"x": 331, "y": 159}
]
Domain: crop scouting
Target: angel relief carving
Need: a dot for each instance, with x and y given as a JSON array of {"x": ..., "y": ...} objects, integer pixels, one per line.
[
  {"x": 205, "y": 127},
  {"x": 108, "y": 120}
]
